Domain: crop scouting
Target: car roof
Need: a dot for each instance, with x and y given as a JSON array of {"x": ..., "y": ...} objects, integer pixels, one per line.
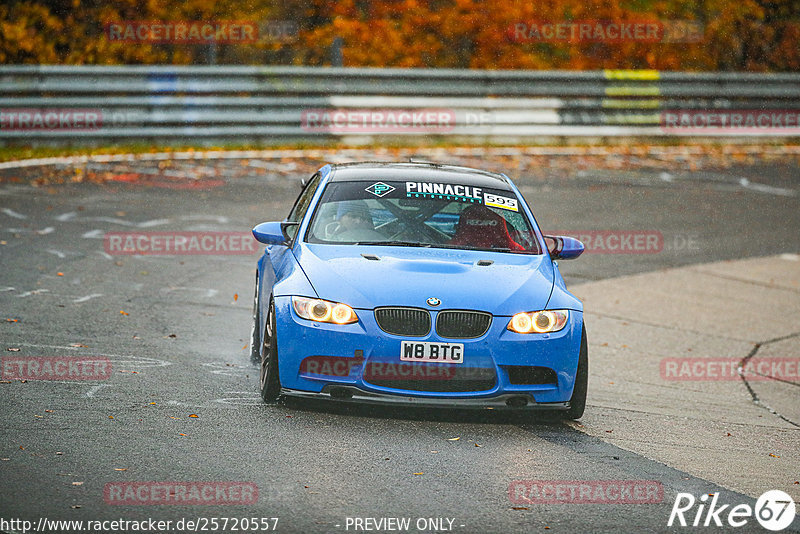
[{"x": 370, "y": 171}]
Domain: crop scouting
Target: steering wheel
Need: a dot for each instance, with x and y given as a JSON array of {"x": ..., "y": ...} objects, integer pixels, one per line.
[{"x": 332, "y": 228}]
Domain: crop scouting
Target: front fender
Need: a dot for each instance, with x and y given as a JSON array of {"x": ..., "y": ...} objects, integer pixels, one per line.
[
  {"x": 560, "y": 298},
  {"x": 280, "y": 275}
]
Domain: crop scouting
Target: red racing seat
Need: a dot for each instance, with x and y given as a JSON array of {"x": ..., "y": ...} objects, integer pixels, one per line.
[{"x": 480, "y": 227}]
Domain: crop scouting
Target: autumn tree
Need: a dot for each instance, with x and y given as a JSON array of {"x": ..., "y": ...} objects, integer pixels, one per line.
[{"x": 753, "y": 35}]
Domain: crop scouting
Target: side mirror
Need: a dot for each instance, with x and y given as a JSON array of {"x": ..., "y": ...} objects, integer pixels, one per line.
[
  {"x": 563, "y": 247},
  {"x": 271, "y": 233}
]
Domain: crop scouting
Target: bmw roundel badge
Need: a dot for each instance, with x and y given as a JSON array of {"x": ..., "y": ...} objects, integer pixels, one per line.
[{"x": 433, "y": 301}]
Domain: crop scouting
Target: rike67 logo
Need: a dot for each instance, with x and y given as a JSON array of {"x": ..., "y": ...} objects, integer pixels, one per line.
[{"x": 774, "y": 510}]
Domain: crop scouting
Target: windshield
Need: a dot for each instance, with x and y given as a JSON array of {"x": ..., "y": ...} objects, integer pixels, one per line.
[{"x": 422, "y": 214}]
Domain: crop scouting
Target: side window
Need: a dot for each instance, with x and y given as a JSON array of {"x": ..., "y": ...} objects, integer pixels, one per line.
[{"x": 301, "y": 204}]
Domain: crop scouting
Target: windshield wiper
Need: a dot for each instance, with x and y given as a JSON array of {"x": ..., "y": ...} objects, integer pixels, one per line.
[
  {"x": 442, "y": 245},
  {"x": 467, "y": 247},
  {"x": 486, "y": 249},
  {"x": 395, "y": 243}
]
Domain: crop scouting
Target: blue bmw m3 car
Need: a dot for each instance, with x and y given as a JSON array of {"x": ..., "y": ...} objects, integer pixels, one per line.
[{"x": 417, "y": 283}]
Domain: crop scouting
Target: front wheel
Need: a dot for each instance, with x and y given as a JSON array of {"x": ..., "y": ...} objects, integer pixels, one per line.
[
  {"x": 270, "y": 382},
  {"x": 577, "y": 404}
]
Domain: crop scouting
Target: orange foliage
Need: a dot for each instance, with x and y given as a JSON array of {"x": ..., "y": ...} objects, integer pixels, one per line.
[{"x": 755, "y": 35}]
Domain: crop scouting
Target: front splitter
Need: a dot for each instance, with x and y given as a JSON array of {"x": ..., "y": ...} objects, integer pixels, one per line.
[{"x": 508, "y": 401}]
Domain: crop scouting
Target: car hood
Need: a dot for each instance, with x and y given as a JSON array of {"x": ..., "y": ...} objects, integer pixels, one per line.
[{"x": 407, "y": 276}]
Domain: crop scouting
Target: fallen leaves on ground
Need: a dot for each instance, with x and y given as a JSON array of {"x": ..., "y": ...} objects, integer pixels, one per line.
[{"x": 536, "y": 163}]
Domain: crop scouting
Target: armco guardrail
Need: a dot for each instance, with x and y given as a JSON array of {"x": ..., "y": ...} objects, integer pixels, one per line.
[{"x": 75, "y": 104}]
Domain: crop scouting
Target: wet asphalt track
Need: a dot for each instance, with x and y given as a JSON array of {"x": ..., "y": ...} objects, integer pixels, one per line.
[{"x": 180, "y": 349}]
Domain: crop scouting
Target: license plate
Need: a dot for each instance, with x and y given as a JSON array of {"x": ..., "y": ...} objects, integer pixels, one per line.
[{"x": 425, "y": 351}]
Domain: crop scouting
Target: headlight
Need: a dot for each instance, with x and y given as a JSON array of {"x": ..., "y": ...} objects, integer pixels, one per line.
[
  {"x": 539, "y": 322},
  {"x": 323, "y": 311}
]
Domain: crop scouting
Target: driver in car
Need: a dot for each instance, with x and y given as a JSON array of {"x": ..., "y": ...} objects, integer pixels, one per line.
[{"x": 355, "y": 223}]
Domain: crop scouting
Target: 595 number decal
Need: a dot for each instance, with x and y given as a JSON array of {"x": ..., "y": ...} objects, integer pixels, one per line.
[{"x": 500, "y": 202}]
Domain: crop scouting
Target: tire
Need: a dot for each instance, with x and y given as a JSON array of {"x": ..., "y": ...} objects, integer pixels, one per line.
[
  {"x": 255, "y": 332},
  {"x": 577, "y": 404},
  {"x": 269, "y": 380}
]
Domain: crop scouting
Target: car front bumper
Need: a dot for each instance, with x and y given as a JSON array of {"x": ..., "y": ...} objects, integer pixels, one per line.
[{"x": 345, "y": 358}]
